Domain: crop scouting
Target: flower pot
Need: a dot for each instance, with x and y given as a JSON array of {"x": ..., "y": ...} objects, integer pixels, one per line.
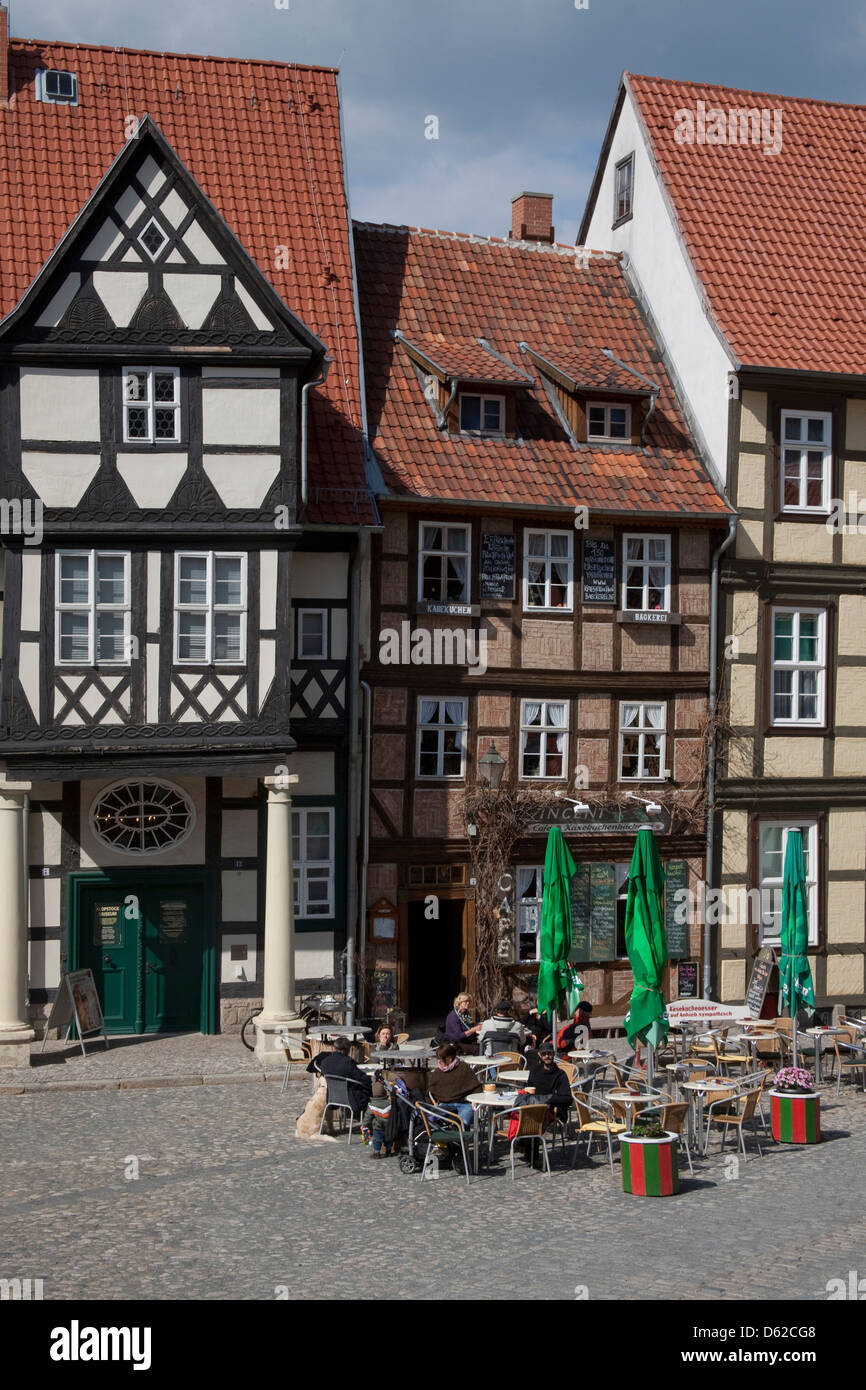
[
  {"x": 795, "y": 1117},
  {"x": 650, "y": 1167}
]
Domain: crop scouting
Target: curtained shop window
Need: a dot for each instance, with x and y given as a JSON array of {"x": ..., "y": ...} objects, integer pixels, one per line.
[
  {"x": 441, "y": 738},
  {"x": 641, "y": 742},
  {"x": 547, "y": 570},
  {"x": 443, "y": 564},
  {"x": 543, "y": 738}
]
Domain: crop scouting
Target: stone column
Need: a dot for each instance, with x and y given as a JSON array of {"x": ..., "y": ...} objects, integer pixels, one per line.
[
  {"x": 278, "y": 1012},
  {"x": 15, "y": 1033}
]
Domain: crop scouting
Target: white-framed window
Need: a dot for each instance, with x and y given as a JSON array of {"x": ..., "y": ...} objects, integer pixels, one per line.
[
  {"x": 142, "y": 817},
  {"x": 605, "y": 421},
  {"x": 543, "y": 738},
  {"x": 799, "y": 665},
  {"x": 312, "y": 634},
  {"x": 210, "y": 608},
  {"x": 641, "y": 741},
  {"x": 623, "y": 188},
  {"x": 441, "y": 737},
  {"x": 482, "y": 414},
  {"x": 547, "y": 569},
  {"x": 92, "y": 606},
  {"x": 773, "y": 843},
  {"x": 151, "y": 405},
  {"x": 530, "y": 886},
  {"x": 313, "y": 860},
  {"x": 443, "y": 563},
  {"x": 807, "y": 454},
  {"x": 646, "y": 573},
  {"x": 153, "y": 238},
  {"x": 56, "y": 87}
]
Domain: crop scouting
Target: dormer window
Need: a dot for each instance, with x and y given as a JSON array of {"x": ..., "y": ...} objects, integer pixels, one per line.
[
  {"x": 60, "y": 88},
  {"x": 608, "y": 422},
  {"x": 482, "y": 414}
]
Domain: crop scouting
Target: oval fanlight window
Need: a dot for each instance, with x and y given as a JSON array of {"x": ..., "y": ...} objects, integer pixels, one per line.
[{"x": 142, "y": 817}]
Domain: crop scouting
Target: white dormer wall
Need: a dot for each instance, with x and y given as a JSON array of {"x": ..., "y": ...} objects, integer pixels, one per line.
[{"x": 666, "y": 280}]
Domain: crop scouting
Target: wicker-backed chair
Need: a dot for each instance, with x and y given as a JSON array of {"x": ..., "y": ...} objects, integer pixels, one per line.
[
  {"x": 297, "y": 1052},
  {"x": 594, "y": 1123},
  {"x": 741, "y": 1110},
  {"x": 672, "y": 1118},
  {"x": 849, "y": 1057}
]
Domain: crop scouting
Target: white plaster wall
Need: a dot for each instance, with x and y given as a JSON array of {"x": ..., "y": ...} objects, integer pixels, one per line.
[
  {"x": 44, "y": 902},
  {"x": 121, "y": 291},
  {"x": 239, "y": 835},
  {"x": 106, "y": 241},
  {"x": 239, "y": 895},
  {"x": 31, "y": 589},
  {"x": 663, "y": 271},
  {"x": 268, "y": 589},
  {"x": 192, "y": 295},
  {"x": 44, "y": 964},
  {"x": 44, "y": 837},
  {"x": 60, "y": 405},
  {"x": 339, "y": 630},
  {"x": 315, "y": 772},
  {"x": 260, "y": 319},
  {"x": 242, "y": 480},
  {"x": 200, "y": 244},
  {"x": 152, "y": 478},
  {"x": 94, "y": 854},
  {"x": 237, "y": 415},
  {"x": 317, "y": 576},
  {"x": 61, "y": 480},
  {"x": 57, "y": 306},
  {"x": 267, "y": 667},
  {"x": 242, "y": 373},
  {"x": 314, "y": 954}
]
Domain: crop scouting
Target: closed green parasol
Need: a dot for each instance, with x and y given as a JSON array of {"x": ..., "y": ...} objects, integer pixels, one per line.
[
  {"x": 795, "y": 975},
  {"x": 646, "y": 944},
  {"x": 558, "y": 986}
]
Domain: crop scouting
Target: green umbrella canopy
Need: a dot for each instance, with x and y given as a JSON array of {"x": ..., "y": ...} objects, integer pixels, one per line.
[
  {"x": 555, "y": 975},
  {"x": 646, "y": 943},
  {"x": 795, "y": 975}
]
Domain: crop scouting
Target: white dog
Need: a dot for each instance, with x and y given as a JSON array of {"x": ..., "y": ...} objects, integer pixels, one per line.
[{"x": 310, "y": 1117}]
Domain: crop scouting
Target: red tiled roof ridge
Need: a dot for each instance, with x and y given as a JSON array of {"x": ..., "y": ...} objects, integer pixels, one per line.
[
  {"x": 167, "y": 53},
  {"x": 669, "y": 83},
  {"x": 561, "y": 248}
]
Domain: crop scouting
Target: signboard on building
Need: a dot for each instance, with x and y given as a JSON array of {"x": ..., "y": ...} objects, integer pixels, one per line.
[
  {"x": 77, "y": 1003},
  {"x": 497, "y": 566},
  {"x": 760, "y": 978},
  {"x": 598, "y": 820},
  {"x": 676, "y": 913},
  {"x": 687, "y": 979},
  {"x": 593, "y": 913},
  {"x": 599, "y": 571}
]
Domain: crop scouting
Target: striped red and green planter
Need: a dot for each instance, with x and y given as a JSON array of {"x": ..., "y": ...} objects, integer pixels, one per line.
[
  {"x": 795, "y": 1119},
  {"x": 649, "y": 1166}
]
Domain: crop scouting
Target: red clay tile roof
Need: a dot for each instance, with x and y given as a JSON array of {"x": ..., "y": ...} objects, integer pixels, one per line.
[
  {"x": 590, "y": 369},
  {"x": 274, "y": 171},
  {"x": 778, "y": 240},
  {"x": 426, "y": 283},
  {"x": 467, "y": 360}
]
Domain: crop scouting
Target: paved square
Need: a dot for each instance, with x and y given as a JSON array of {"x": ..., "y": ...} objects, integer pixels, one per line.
[{"x": 228, "y": 1204}]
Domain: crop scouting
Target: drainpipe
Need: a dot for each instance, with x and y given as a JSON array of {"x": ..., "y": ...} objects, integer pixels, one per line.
[
  {"x": 365, "y": 825},
  {"x": 316, "y": 381},
  {"x": 709, "y": 870},
  {"x": 351, "y": 982}
]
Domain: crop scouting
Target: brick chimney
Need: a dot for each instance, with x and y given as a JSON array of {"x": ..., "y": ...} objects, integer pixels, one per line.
[
  {"x": 532, "y": 217},
  {"x": 4, "y": 56}
]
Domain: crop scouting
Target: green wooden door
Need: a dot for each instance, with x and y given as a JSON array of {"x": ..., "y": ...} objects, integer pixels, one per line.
[
  {"x": 108, "y": 944},
  {"x": 144, "y": 942},
  {"x": 172, "y": 958}
]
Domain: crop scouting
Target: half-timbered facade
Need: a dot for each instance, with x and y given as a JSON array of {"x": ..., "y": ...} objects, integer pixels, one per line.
[
  {"x": 177, "y": 642},
  {"x": 707, "y": 190},
  {"x": 540, "y": 593}
]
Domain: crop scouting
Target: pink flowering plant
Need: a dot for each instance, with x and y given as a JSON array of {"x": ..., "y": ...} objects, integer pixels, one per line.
[{"x": 795, "y": 1079}]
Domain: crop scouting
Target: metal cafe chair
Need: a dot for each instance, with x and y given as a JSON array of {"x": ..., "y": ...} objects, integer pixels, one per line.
[
  {"x": 531, "y": 1124},
  {"x": 593, "y": 1123},
  {"x": 742, "y": 1110},
  {"x": 338, "y": 1098},
  {"x": 444, "y": 1128},
  {"x": 297, "y": 1053},
  {"x": 848, "y": 1057}
]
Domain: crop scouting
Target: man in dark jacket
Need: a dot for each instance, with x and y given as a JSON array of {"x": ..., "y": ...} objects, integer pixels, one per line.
[
  {"x": 339, "y": 1063},
  {"x": 551, "y": 1085}
]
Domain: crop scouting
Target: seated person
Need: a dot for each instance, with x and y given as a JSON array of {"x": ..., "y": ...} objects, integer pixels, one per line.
[
  {"x": 460, "y": 1026},
  {"x": 581, "y": 1018},
  {"x": 501, "y": 1021},
  {"x": 450, "y": 1083},
  {"x": 550, "y": 1081},
  {"x": 339, "y": 1063},
  {"x": 384, "y": 1039}
]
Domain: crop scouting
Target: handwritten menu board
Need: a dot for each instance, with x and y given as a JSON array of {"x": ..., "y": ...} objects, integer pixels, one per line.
[
  {"x": 761, "y": 971},
  {"x": 593, "y": 913},
  {"x": 687, "y": 979},
  {"x": 497, "y": 566},
  {"x": 676, "y": 909},
  {"x": 599, "y": 571}
]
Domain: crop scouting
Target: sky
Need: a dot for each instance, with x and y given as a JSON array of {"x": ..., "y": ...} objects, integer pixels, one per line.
[{"x": 521, "y": 89}]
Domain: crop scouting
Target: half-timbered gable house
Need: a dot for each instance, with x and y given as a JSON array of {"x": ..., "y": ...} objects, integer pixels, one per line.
[{"x": 177, "y": 648}]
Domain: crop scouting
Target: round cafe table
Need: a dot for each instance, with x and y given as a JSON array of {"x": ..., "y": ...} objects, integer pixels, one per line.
[
  {"x": 697, "y": 1091},
  {"x": 819, "y": 1034},
  {"x": 486, "y": 1103},
  {"x": 516, "y": 1076},
  {"x": 630, "y": 1101}
]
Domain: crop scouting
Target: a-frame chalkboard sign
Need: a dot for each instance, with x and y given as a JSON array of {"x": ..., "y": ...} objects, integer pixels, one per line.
[{"x": 76, "y": 1006}]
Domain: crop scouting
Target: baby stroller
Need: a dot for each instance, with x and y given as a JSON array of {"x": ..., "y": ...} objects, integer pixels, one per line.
[{"x": 407, "y": 1122}]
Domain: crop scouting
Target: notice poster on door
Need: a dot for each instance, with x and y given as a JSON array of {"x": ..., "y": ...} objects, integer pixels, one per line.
[
  {"x": 77, "y": 1003},
  {"x": 172, "y": 919},
  {"x": 107, "y": 923}
]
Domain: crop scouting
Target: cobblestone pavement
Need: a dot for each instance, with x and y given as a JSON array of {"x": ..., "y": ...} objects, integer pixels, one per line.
[
  {"x": 135, "y": 1059},
  {"x": 228, "y": 1204}
]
